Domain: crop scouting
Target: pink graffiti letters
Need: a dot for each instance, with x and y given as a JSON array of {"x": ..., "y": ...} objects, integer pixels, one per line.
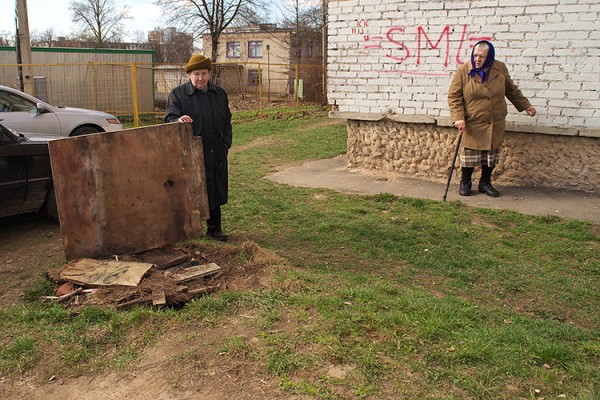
[
  {"x": 389, "y": 36},
  {"x": 421, "y": 32},
  {"x": 400, "y": 50}
]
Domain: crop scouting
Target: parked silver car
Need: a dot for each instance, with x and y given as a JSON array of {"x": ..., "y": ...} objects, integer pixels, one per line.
[{"x": 25, "y": 113}]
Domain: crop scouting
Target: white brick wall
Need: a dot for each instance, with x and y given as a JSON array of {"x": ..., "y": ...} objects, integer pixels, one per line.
[{"x": 399, "y": 58}]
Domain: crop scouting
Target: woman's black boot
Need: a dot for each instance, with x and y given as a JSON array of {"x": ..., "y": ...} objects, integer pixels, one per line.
[
  {"x": 465, "y": 182},
  {"x": 485, "y": 183}
]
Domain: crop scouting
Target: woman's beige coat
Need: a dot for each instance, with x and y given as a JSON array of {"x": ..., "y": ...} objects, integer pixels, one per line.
[{"x": 483, "y": 106}]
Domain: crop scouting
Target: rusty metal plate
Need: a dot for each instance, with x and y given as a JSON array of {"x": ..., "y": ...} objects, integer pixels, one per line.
[{"x": 129, "y": 191}]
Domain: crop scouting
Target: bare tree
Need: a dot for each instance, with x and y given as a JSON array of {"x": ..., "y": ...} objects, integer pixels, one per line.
[
  {"x": 140, "y": 36},
  {"x": 180, "y": 50},
  {"x": 208, "y": 16},
  {"x": 254, "y": 14},
  {"x": 173, "y": 48},
  {"x": 43, "y": 39},
  {"x": 304, "y": 19},
  {"x": 303, "y": 14},
  {"x": 7, "y": 38},
  {"x": 101, "y": 22}
]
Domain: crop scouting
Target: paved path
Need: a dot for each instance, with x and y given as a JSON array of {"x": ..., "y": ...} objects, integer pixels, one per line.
[{"x": 332, "y": 173}]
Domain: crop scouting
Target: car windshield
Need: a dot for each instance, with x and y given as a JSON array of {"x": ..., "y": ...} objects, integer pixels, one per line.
[{"x": 10, "y": 102}]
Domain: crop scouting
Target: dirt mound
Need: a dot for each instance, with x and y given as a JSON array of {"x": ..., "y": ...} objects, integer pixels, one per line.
[
  {"x": 173, "y": 279},
  {"x": 186, "y": 363}
]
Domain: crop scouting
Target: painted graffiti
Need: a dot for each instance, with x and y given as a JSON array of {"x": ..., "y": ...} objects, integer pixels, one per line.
[
  {"x": 359, "y": 29},
  {"x": 402, "y": 46}
]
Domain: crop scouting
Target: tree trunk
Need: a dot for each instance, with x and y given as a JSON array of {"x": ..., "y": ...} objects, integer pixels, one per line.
[{"x": 214, "y": 44}]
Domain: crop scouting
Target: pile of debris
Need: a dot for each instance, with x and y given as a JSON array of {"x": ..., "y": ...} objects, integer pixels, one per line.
[{"x": 167, "y": 276}]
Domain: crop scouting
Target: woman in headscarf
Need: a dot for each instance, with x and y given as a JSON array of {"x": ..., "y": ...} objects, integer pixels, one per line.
[{"x": 476, "y": 99}]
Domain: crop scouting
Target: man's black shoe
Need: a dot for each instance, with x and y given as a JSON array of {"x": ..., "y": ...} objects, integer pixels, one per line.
[
  {"x": 487, "y": 188},
  {"x": 217, "y": 235},
  {"x": 464, "y": 188}
]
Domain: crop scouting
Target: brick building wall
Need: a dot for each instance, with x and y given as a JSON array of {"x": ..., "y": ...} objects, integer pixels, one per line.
[{"x": 391, "y": 62}]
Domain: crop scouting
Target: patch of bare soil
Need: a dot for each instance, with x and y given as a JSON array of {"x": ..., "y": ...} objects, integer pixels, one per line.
[
  {"x": 258, "y": 142},
  {"x": 186, "y": 363},
  {"x": 183, "y": 365},
  {"x": 477, "y": 220},
  {"x": 29, "y": 246}
]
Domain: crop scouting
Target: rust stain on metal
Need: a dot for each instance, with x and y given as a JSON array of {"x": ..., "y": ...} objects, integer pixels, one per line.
[{"x": 129, "y": 191}]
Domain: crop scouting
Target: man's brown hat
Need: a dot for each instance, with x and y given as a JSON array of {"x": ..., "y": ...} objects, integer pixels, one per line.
[{"x": 198, "y": 61}]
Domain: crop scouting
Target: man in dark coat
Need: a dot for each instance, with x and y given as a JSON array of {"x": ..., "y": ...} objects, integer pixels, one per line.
[{"x": 206, "y": 107}]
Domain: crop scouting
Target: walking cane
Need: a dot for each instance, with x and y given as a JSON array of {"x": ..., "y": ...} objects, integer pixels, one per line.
[{"x": 452, "y": 166}]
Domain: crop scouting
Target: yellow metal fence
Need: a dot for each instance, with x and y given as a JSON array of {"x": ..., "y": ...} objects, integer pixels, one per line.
[{"x": 137, "y": 92}]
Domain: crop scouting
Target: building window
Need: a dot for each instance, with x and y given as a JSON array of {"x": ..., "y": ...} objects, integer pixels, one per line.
[
  {"x": 253, "y": 77},
  {"x": 309, "y": 49},
  {"x": 233, "y": 49},
  {"x": 255, "y": 49}
]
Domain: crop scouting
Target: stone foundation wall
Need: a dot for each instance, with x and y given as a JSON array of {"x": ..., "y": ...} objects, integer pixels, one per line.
[{"x": 425, "y": 150}]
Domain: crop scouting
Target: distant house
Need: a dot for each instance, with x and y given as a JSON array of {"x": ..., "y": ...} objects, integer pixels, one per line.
[{"x": 267, "y": 55}]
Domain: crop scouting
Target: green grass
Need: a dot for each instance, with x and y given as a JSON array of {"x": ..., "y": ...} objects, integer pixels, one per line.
[
  {"x": 288, "y": 113},
  {"x": 416, "y": 298}
]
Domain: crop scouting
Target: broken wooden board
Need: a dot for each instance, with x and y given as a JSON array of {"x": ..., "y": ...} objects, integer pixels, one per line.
[
  {"x": 159, "y": 297},
  {"x": 163, "y": 258},
  {"x": 168, "y": 262},
  {"x": 129, "y": 191},
  {"x": 184, "y": 297},
  {"x": 91, "y": 272},
  {"x": 197, "y": 271}
]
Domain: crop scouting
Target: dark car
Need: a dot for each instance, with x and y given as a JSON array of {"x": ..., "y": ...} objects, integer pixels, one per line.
[{"x": 25, "y": 175}]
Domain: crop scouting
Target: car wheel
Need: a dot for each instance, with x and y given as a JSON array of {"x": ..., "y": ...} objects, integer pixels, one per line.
[
  {"x": 50, "y": 204},
  {"x": 84, "y": 130}
]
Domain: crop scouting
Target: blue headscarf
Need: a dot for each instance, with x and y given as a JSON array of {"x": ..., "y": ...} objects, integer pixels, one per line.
[{"x": 489, "y": 60}]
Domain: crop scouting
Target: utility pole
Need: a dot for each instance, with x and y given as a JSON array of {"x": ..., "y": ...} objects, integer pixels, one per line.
[{"x": 23, "y": 47}]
